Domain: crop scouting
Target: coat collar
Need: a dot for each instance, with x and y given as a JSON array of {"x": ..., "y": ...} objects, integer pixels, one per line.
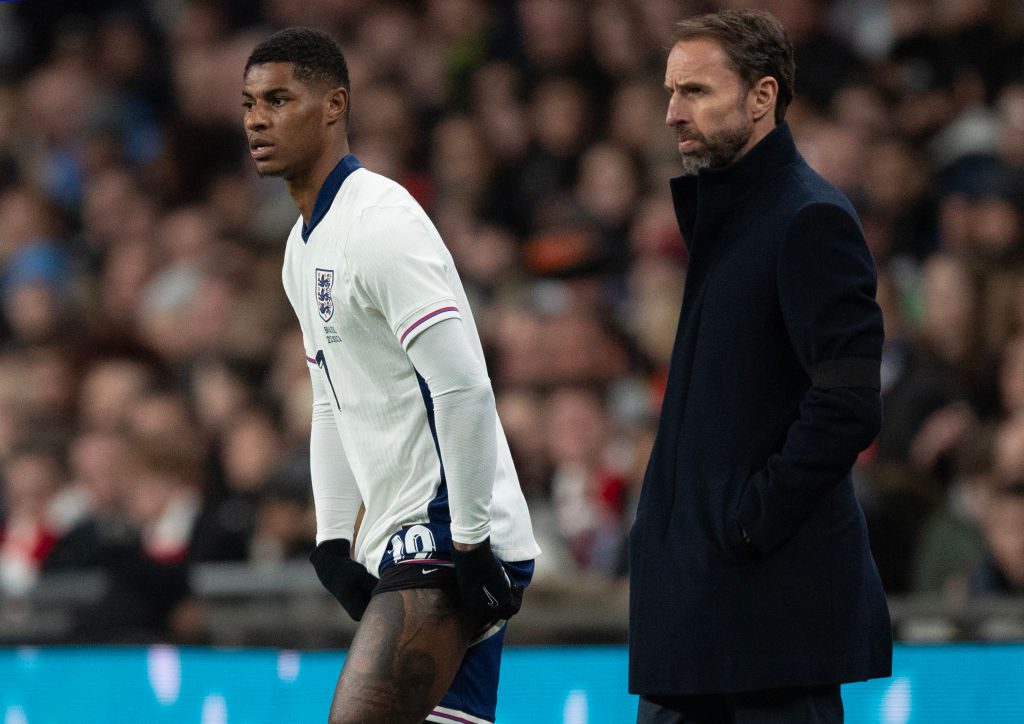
[{"x": 715, "y": 190}]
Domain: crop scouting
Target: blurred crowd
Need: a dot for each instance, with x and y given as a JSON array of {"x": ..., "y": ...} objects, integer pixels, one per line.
[{"x": 154, "y": 397}]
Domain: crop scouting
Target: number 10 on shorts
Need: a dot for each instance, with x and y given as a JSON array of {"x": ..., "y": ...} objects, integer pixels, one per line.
[{"x": 413, "y": 542}]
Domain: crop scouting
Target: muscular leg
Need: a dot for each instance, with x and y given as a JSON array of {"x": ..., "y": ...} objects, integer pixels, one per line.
[{"x": 405, "y": 654}]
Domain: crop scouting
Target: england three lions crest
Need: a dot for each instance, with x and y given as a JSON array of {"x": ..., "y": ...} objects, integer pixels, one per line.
[{"x": 324, "y": 293}]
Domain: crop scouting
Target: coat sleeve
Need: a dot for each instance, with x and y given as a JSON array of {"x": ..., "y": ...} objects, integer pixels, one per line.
[{"x": 826, "y": 290}]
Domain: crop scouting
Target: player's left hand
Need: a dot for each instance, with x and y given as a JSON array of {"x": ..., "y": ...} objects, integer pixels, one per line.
[{"x": 484, "y": 586}]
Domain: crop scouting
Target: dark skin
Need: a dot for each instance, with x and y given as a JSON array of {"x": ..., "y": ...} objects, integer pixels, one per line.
[
  {"x": 410, "y": 643},
  {"x": 296, "y": 130},
  {"x": 404, "y": 657}
]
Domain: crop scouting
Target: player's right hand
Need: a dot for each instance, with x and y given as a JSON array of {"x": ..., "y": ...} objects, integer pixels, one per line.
[
  {"x": 347, "y": 580},
  {"x": 484, "y": 586}
]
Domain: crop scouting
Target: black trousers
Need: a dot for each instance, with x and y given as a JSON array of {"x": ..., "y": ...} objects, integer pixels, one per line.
[{"x": 817, "y": 705}]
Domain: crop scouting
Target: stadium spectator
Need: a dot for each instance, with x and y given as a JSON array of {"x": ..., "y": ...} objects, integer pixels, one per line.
[
  {"x": 1001, "y": 571},
  {"x": 285, "y": 522},
  {"x": 94, "y": 530},
  {"x": 950, "y": 540},
  {"x": 588, "y": 493},
  {"x": 109, "y": 391},
  {"x": 31, "y": 478},
  {"x": 943, "y": 385},
  {"x": 249, "y": 455}
]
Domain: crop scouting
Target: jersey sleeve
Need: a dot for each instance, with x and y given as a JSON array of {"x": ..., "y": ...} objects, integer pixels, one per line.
[
  {"x": 466, "y": 423},
  {"x": 336, "y": 496},
  {"x": 402, "y": 269}
]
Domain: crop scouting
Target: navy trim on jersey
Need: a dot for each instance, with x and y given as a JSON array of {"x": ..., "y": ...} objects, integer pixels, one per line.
[
  {"x": 332, "y": 184},
  {"x": 438, "y": 510}
]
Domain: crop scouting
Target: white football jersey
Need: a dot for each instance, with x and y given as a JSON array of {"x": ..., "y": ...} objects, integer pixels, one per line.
[{"x": 366, "y": 277}]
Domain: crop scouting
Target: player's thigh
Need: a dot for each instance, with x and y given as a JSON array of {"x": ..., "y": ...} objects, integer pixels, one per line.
[{"x": 403, "y": 658}]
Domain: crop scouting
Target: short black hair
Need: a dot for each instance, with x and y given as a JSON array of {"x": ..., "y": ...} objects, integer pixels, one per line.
[
  {"x": 317, "y": 58},
  {"x": 756, "y": 44}
]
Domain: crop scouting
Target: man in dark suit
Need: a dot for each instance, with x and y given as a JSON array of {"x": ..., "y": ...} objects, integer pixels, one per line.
[{"x": 753, "y": 591}]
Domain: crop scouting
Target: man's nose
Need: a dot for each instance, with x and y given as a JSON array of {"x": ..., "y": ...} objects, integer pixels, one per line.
[
  {"x": 677, "y": 112},
  {"x": 255, "y": 119}
]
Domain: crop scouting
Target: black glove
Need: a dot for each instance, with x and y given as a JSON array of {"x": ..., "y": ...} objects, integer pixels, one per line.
[
  {"x": 346, "y": 579},
  {"x": 484, "y": 586}
]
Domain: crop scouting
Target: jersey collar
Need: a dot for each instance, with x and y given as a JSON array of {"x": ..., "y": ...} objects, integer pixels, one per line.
[{"x": 328, "y": 191}]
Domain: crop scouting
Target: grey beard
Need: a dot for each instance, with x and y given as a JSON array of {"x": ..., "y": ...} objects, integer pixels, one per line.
[
  {"x": 720, "y": 150},
  {"x": 692, "y": 165}
]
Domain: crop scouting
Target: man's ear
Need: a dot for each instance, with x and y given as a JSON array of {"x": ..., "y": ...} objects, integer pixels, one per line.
[
  {"x": 764, "y": 95},
  {"x": 337, "y": 104}
]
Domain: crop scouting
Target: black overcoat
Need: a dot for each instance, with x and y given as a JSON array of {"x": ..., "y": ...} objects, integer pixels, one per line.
[{"x": 772, "y": 393}]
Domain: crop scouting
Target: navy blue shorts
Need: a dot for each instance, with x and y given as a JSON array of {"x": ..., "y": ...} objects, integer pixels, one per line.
[{"x": 473, "y": 696}]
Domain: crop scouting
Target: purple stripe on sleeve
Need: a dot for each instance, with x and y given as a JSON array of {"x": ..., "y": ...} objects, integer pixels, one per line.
[{"x": 423, "y": 319}]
